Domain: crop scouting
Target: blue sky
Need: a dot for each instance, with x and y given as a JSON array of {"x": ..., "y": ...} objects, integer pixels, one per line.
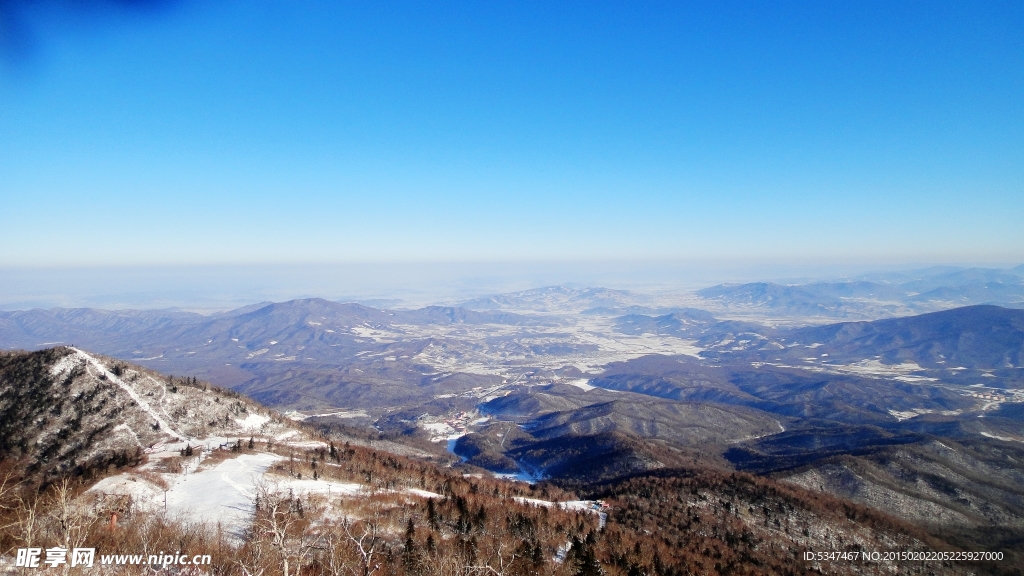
[{"x": 230, "y": 132}]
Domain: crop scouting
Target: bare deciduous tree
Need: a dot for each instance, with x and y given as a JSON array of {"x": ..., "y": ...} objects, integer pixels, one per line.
[
  {"x": 278, "y": 523},
  {"x": 363, "y": 537}
]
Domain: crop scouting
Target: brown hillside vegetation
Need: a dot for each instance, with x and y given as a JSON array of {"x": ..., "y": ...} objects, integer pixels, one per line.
[
  {"x": 712, "y": 522},
  {"x": 673, "y": 524}
]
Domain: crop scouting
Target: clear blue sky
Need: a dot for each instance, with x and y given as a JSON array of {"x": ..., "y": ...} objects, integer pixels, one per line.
[{"x": 255, "y": 132}]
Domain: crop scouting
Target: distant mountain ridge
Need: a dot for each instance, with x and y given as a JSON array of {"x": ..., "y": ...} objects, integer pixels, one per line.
[
  {"x": 792, "y": 299},
  {"x": 557, "y": 299},
  {"x": 302, "y": 352},
  {"x": 35, "y": 328},
  {"x": 986, "y": 337},
  {"x": 462, "y": 315},
  {"x": 875, "y": 295},
  {"x": 677, "y": 323}
]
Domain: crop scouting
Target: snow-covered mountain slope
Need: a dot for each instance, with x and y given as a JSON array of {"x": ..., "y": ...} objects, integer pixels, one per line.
[{"x": 64, "y": 409}]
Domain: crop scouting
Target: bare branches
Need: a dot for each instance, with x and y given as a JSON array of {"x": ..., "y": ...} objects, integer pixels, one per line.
[
  {"x": 280, "y": 524},
  {"x": 363, "y": 537}
]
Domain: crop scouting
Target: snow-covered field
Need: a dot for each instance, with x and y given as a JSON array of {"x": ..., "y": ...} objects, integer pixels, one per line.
[
  {"x": 582, "y": 384},
  {"x": 588, "y": 343},
  {"x": 219, "y": 494},
  {"x": 904, "y": 372},
  {"x": 222, "y": 493}
]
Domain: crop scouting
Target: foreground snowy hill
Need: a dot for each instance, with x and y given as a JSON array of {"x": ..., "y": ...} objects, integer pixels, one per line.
[{"x": 64, "y": 410}]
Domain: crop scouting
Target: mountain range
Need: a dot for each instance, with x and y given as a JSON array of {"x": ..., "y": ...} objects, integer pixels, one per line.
[
  {"x": 917, "y": 416},
  {"x": 873, "y": 296}
]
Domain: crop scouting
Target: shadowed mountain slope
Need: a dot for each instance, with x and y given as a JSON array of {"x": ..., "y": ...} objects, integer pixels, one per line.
[
  {"x": 973, "y": 337},
  {"x": 682, "y": 423}
]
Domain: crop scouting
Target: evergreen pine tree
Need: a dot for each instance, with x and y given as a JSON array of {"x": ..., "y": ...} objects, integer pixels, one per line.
[{"x": 410, "y": 555}]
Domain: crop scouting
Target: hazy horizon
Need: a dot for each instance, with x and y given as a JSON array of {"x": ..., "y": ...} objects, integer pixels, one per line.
[{"x": 215, "y": 288}]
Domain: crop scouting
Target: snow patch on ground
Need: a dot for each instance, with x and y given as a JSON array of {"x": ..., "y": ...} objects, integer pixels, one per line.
[
  {"x": 253, "y": 422},
  {"x": 440, "y": 431},
  {"x": 130, "y": 432},
  {"x": 299, "y": 416},
  {"x": 521, "y": 476},
  {"x": 915, "y": 412},
  {"x": 423, "y": 493},
  {"x": 65, "y": 365},
  {"x": 380, "y": 336},
  {"x": 578, "y": 505},
  {"x": 346, "y": 414},
  {"x": 582, "y": 383},
  {"x": 438, "y": 428},
  {"x": 1003, "y": 438},
  {"x": 325, "y": 487},
  {"x": 903, "y": 372}
]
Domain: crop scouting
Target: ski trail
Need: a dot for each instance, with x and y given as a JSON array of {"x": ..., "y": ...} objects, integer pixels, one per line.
[
  {"x": 131, "y": 393},
  {"x": 241, "y": 489}
]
